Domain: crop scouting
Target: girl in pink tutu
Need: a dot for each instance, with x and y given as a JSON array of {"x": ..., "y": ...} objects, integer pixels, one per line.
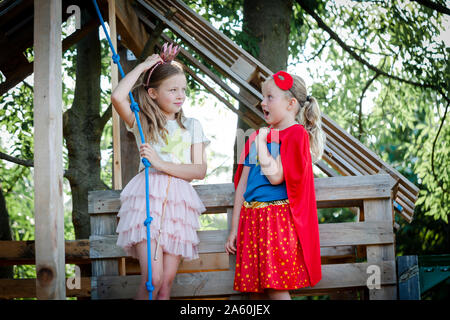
[{"x": 176, "y": 150}]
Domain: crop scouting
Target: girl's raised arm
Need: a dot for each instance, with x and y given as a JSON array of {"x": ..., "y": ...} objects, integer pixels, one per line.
[{"x": 120, "y": 99}]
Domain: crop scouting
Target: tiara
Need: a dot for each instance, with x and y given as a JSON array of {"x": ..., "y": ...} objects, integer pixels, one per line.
[{"x": 167, "y": 54}]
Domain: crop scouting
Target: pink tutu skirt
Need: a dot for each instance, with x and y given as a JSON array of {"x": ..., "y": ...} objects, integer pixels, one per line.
[{"x": 181, "y": 218}]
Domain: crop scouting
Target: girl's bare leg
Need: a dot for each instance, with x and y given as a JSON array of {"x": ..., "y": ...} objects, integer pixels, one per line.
[
  {"x": 157, "y": 271},
  {"x": 171, "y": 263},
  {"x": 258, "y": 296},
  {"x": 278, "y": 294}
]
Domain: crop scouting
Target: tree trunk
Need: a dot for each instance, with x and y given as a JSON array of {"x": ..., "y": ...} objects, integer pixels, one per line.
[
  {"x": 268, "y": 22},
  {"x": 83, "y": 126},
  {"x": 5, "y": 234}
]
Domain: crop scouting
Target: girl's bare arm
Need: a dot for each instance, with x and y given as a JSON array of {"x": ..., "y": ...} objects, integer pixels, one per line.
[
  {"x": 272, "y": 168},
  {"x": 119, "y": 97},
  {"x": 189, "y": 172},
  {"x": 230, "y": 246}
]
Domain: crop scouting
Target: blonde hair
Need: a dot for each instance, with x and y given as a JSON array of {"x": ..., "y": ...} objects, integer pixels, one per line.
[
  {"x": 153, "y": 120},
  {"x": 308, "y": 115}
]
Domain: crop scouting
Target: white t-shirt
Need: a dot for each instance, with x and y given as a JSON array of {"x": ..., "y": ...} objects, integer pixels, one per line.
[{"x": 179, "y": 141}]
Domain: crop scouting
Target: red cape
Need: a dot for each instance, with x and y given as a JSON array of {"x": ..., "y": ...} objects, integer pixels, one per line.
[{"x": 298, "y": 174}]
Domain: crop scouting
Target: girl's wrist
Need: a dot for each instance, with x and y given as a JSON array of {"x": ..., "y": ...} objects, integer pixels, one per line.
[{"x": 141, "y": 67}]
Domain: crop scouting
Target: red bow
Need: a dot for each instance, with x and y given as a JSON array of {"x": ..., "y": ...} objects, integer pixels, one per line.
[{"x": 283, "y": 80}]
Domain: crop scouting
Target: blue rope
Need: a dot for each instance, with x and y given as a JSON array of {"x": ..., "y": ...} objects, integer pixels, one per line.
[{"x": 135, "y": 108}]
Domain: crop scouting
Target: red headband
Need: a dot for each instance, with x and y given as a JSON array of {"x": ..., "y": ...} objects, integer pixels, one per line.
[
  {"x": 283, "y": 80},
  {"x": 167, "y": 54}
]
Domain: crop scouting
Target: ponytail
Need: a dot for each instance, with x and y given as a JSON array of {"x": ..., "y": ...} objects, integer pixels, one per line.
[{"x": 310, "y": 116}]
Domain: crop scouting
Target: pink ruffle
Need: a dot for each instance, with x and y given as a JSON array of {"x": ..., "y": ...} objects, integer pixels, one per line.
[{"x": 183, "y": 208}]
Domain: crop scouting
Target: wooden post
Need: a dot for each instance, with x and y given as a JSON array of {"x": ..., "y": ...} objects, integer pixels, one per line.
[
  {"x": 408, "y": 278},
  {"x": 117, "y": 175},
  {"x": 117, "y": 160},
  {"x": 102, "y": 225},
  {"x": 381, "y": 210},
  {"x": 48, "y": 169}
]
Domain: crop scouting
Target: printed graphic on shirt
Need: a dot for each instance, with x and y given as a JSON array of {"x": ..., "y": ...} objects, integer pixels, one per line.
[{"x": 176, "y": 145}]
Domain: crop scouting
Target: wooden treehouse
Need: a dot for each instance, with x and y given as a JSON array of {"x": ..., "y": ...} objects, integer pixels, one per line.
[{"x": 356, "y": 177}]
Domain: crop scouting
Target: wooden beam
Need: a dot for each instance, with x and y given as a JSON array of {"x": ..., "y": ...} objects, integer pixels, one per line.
[
  {"x": 117, "y": 163},
  {"x": 23, "y": 252},
  {"x": 48, "y": 167},
  {"x": 131, "y": 30},
  {"x": 337, "y": 191},
  {"x": 381, "y": 210},
  {"x": 331, "y": 235},
  {"x": 345, "y": 275},
  {"x": 26, "y": 288},
  {"x": 25, "y": 70}
]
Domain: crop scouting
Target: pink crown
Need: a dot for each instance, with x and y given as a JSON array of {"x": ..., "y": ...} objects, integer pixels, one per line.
[{"x": 167, "y": 54}]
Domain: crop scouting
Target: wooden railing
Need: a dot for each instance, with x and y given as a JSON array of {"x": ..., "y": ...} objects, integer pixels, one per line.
[
  {"x": 371, "y": 194},
  {"x": 347, "y": 249}
]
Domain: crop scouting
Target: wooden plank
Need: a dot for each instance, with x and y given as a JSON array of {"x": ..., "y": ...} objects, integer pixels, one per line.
[
  {"x": 103, "y": 225},
  {"x": 331, "y": 235},
  {"x": 104, "y": 246},
  {"x": 348, "y": 189},
  {"x": 327, "y": 157},
  {"x": 132, "y": 32},
  {"x": 117, "y": 162},
  {"x": 243, "y": 68},
  {"x": 355, "y": 233},
  {"x": 349, "y": 157},
  {"x": 189, "y": 25},
  {"x": 337, "y": 133},
  {"x": 221, "y": 282},
  {"x": 48, "y": 173},
  {"x": 368, "y": 153},
  {"x": 408, "y": 278},
  {"x": 26, "y": 288},
  {"x": 206, "y": 262},
  {"x": 220, "y": 37},
  {"x": 353, "y": 188},
  {"x": 23, "y": 252},
  {"x": 197, "y": 26},
  {"x": 342, "y": 163},
  {"x": 103, "y": 201},
  {"x": 381, "y": 210}
]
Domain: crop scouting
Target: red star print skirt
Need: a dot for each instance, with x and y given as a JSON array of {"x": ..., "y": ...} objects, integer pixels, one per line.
[{"x": 269, "y": 254}]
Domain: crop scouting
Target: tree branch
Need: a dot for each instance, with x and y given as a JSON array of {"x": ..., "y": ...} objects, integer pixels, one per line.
[
  {"x": 26, "y": 162},
  {"x": 434, "y": 144},
  {"x": 435, "y": 6},
  {"x": 360, "y": 129},
  {"x": 318, "y": 52},
  {"x": 333, "y": 35},
  {"x": 105, "y": 117},
  {"x": 22, "y": 162}
]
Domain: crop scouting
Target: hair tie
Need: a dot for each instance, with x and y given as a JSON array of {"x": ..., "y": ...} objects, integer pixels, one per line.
[
  {"x": 308, "y": 98},
  {"x": 167, "y": 54},
  {"x": 283, "y": 80}
]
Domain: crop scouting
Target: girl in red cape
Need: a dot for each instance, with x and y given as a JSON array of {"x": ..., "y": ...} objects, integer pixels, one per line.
[{"x": 274, "y": 228}]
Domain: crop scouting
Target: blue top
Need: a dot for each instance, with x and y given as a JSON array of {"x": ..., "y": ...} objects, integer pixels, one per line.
[{"x": 259, "y": 187}]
